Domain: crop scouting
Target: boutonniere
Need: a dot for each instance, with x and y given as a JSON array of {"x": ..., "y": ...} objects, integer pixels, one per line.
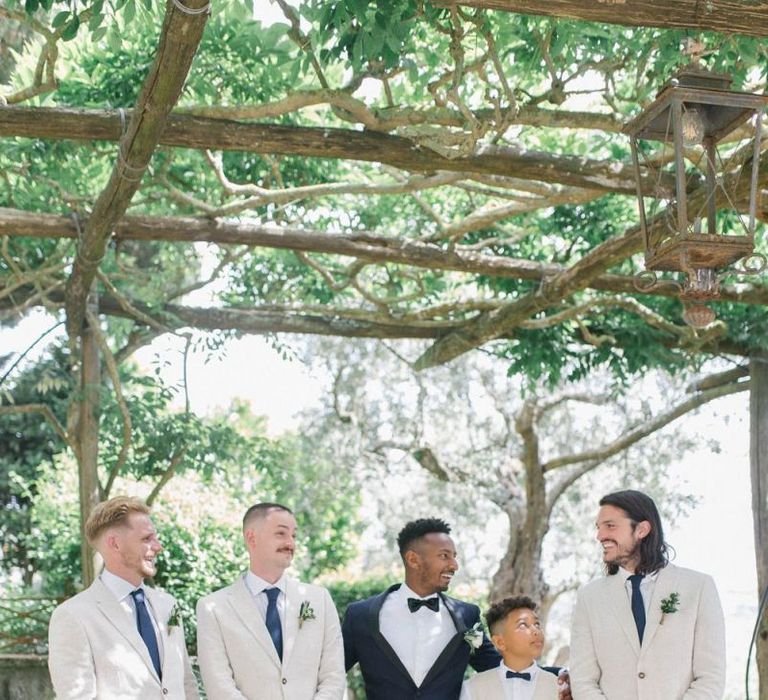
[
  {"x": 305, "y": 613},
  {"x": 669, "y": 605},
  {"x": 474, "y": 637},
  {"x": 174, "y": 619}
]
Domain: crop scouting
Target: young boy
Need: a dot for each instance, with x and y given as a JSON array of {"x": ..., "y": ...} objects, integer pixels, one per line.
[{"x": 516, "y": 632}]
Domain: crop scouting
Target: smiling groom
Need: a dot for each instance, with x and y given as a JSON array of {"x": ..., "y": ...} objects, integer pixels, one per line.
[
  {"x": 120, "y": 638},
  {"x": 412, "y": 640},
  {"x": 268, "y": 636}
]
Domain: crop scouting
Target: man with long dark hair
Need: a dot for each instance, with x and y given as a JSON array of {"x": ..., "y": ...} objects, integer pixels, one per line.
[{"x": 648, "y": 630}]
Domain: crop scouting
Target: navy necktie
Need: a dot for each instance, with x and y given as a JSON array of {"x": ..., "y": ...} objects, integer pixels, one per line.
[
  {"x": 273, "y": 620},
  {"x": 146, "y": 630},
  {"x": 432, "y": 603},
  {"x": 638, "y": 607},
  {"x": 514, "y": 674}
]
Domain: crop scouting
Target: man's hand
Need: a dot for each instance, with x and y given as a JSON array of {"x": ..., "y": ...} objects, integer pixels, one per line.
[{"x": 564, "y": 685}]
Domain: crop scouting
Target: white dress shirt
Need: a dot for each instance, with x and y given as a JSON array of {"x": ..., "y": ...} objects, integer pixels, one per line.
[
  {"x": 257, "y": 585},
  {"x": 417, "y": 638},
  {"x": 646, "y": 587},
  {"x": 122, "y": 589},
  {"x": 514, "y": 688}
]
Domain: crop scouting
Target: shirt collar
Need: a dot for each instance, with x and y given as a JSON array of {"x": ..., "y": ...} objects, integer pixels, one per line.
[
  {"x": 405, "y": 592},
  {"x": 648, "y": 577},
  {"x": 257, "y": 585},
  {"x": 117, "y": 586},
  {"x": 532, "y": 669}
]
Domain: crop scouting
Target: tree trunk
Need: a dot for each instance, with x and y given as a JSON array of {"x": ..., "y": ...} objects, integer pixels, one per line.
[
  {"x": 759, "y": 473},
  {"x": 520, "y": 571},
  {"x": 87, "y": 441}
]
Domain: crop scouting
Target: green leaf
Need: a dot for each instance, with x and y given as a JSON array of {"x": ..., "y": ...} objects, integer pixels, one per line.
[
  {"x": 98, "y": 34},
  {"x": 60, "y": 19},
  {"x": 30, "y": 6},
  {"x": 130, "y": 11},
  {"x": 71, "y": 29}
]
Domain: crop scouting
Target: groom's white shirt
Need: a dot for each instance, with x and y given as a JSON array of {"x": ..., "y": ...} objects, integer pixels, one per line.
[
  {"x": 238, "y": 660},
  {"x": 95, "y": 650},
  {"x": 681, "y": 658}
]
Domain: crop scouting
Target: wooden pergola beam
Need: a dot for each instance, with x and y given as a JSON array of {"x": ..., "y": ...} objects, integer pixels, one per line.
[
  {"x": 187, "y": 131},
  {"x": 361, "y": 245},
  {"x": 726, "y": 16},
  {"x": 138, "y": 134},
  {"x": 263, "y": 321}
]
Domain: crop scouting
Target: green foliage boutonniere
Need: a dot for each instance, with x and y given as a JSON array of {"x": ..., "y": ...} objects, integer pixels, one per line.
[
  {"x": 669, "y": 605},
  {"x": 305, "y": 613},
  {"x": 174, "y": 619},
  {"x": 474, "y": 637}
]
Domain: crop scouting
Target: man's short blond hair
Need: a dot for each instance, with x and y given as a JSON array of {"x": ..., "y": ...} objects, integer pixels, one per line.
[{"x": 112, "y": 513}]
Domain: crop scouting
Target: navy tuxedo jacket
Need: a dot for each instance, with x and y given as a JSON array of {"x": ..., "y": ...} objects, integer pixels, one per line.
[{"x": 385, "y": 676}]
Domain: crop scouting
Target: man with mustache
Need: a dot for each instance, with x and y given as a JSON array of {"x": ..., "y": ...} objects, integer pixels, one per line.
[
  {"x": 120, "y": 638},
  {"x": 648, "y": 630},
  {"x": 412, "y": 640},
  {"x": 268, "y": 636}
]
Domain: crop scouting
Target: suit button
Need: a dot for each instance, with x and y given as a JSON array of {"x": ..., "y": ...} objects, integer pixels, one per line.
[
  {"x": 285, "y": 680},
  {"x": 165, "y": 691},
  {"x": 641, "y": 675}
]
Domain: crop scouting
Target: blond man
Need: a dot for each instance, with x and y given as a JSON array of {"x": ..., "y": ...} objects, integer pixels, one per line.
[{"x": 120, "y": 638}]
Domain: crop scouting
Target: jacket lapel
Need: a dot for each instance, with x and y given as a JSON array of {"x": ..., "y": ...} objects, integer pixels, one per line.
[
  {"x": 291, "y": 621},
  {"x": 378, "y": 637},
  {"x": 161, "y": 609},
  {"x": 244, "y": 606},
  {"x": 453, "y": 607},
  {"x": 665, "y": 586},
  {"x": 618, "y": 602},
  {"x": 116, "y": 615}
]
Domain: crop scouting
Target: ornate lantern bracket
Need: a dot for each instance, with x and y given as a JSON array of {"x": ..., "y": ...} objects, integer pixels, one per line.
[{"x": 691, "y": 191}]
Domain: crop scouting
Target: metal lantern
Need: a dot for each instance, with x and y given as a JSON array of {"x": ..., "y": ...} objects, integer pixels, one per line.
[{"x": 695, "y": 186}]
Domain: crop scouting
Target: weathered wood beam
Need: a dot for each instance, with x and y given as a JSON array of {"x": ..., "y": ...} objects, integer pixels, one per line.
[
  {"x": 257, "y": 321},
  {"x": 362, "y": 245},
  {"x": 748, "y": 17},
  {"x": 179, "y": 39},
  {"x": 188, "y": 131}
]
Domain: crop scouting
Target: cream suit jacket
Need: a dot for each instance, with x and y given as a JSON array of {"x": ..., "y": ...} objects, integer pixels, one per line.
[
  {"x": 238, "y": 659},
  {"x": 487, "y": 686},
  {"x": 95, "y": 651},
  {"x": 682, "y": 658}
]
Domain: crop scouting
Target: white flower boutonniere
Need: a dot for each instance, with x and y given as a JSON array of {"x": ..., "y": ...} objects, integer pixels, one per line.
[
  {"x": 174, "y": 619},
  {"x": 474, "y": 637},
  {"x": 669, "y": 605},
  {"x": 305, "y": 613}
]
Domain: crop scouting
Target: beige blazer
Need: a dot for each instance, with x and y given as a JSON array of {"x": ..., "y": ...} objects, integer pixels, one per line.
[
  {"x": 682, "y": 658},
  {"x": 238, "y": 658},
  {"x": 95, "y": 651},
  {"x": 488, "y": 686}
]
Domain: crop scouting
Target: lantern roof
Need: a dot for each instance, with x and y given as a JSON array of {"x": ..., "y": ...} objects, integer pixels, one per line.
[{"x": 720, "y": 109}]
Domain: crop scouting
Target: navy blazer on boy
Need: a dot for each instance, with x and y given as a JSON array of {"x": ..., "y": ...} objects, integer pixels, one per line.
[{"x": 386, "y": 678}]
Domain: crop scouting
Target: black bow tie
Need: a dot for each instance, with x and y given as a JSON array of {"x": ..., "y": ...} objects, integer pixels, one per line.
[
  {"x": 514, "y": 674},
  {"x": 415, "y": 603}
]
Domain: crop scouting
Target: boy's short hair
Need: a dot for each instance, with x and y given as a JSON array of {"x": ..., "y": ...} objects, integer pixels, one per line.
[
  {"x": 498, "y": 611},
  {"x": 111, "y": 513}
]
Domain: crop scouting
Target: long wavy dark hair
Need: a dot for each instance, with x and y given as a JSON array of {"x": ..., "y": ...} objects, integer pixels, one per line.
[{"x": 654, "y": 551}]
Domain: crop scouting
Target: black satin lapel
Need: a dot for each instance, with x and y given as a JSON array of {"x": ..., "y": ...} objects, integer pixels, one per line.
[
  {"x": 452, "y": 646},
  {"x": 382, "y": 643}
]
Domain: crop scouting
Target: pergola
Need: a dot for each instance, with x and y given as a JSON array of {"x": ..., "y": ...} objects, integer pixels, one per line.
[{"x": 409, "y": 144}]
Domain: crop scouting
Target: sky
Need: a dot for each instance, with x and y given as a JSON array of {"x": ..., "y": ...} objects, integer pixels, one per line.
[{"x": 716, "y": 537}]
